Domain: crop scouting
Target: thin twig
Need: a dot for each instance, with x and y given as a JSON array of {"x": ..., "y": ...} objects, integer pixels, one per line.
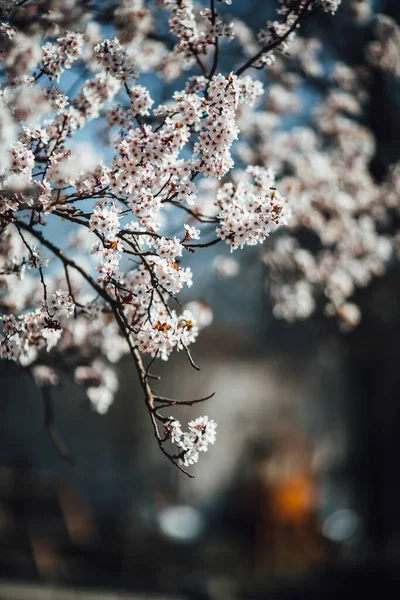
[{"x": 274, "y": 43}]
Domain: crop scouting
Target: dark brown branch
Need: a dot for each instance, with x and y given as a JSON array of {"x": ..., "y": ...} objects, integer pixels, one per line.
[
  {"x": 190, "y": 357},
  {"x": 203, "y": 244},
  {"x": 274, "y": 43},
  {"x": 65, "y": 259},
  {"x": 164, "y": 402},
  {"x": 33, "y": 262}
]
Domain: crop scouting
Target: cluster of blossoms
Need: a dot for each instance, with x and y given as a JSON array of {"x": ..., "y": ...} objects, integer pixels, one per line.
[
  {"x": 105, "y": 221},
  {"x": 348, "y": 212},
  {"x": 331, "y": 5},
  {"x": 160, "y": 338},
  {"x": 250, "y": 211},
  {"x": 23, "y": 160},
  {"x": 123, "y": 207},
  {"x": 95, "y": 93},
  {"x": 24, "y": 336},
  {"x": 221, "y": 131},
  {"x": 202, "y": 432},
  {"x": 192, "y": 40},
  {"x": 224, "y": 95},
  {"x": 115, "y": 60},
  {"x": 101, "y": 384},
  {"x": 284, "y": 30},
  {"x": 61, "y": 303},
  {"x": 61, "y": 55},
  {"x": 36, "y": 135}
]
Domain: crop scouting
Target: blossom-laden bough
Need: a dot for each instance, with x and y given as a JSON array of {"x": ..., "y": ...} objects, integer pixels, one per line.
[{"x": 58, "y": 312}]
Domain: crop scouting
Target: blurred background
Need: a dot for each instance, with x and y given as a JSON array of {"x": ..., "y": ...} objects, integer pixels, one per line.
[{"x": 300, "y": 494}]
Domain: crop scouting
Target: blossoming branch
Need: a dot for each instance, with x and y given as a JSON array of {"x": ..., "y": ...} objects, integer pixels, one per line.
[{"x": 110, "y": 284}]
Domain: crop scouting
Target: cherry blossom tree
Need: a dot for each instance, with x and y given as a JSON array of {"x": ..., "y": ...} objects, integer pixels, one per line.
[{"x": 95, "y": 251}]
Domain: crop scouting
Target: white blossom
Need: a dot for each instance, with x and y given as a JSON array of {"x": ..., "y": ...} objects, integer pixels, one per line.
[{"x": 251, "y": 211}]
